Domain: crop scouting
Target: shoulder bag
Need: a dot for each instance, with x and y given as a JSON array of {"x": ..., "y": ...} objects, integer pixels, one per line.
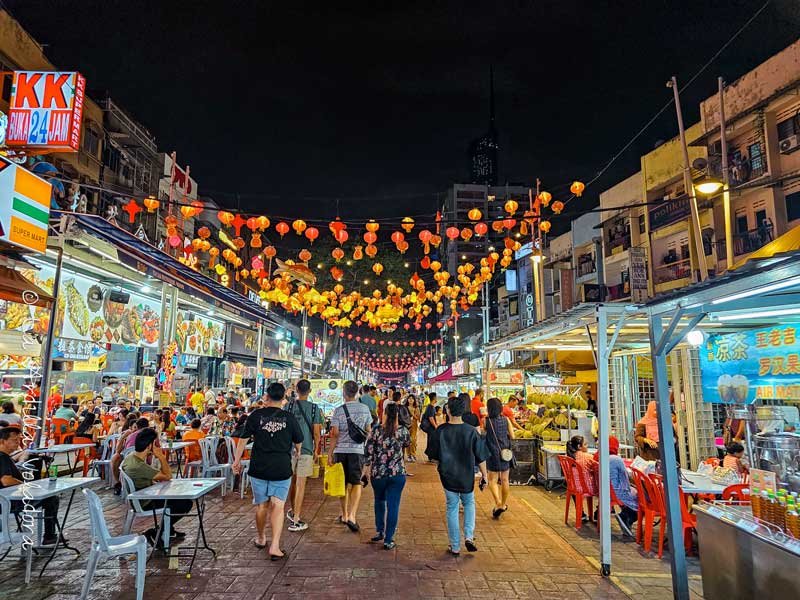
[
  {"x": 505, "y": 453},
  {"x": 355, "y": 431}
]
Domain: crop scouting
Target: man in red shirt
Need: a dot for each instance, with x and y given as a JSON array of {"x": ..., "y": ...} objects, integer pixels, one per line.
[
  {"x": 508, "y": 411},
  {"x": 477, "y": 407},
  {"x": 55, "y": 400}
]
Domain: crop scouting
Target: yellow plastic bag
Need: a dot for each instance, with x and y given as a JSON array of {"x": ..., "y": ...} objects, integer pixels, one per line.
[{"x": 334, "y": 481}]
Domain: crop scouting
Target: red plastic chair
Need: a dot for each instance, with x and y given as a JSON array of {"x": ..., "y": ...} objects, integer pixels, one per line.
[
  {"x": 595, "y": 474},
  {"x": 688, "y": 520},
  {"x": 578, "y": 488},
  {"x": 106, "y": 420},
  {"x": 85, "y": 455},
  {"x": 60, "y": 431},
  {"x": 739, "y": 492},
  {"x": 650, "y": 502}
]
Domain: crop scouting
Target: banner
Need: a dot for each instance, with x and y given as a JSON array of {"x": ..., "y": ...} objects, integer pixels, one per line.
[
  {"x": 198, "y": 334},
  {"x": 738, "y": 368},
  {"x": 505, "y": 376},
  {"x": 242, "y": 340},
  {"x": 25, "y": 209},
  {"x": 638, "y": 274},
  {"x": 327, "y": 393},
  {"x": 567, "y": 277}
]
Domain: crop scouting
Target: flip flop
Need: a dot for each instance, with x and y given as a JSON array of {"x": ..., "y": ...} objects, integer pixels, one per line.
[
  {"x": 259, "y": 546},
  {"x": 275, "y": 557}
]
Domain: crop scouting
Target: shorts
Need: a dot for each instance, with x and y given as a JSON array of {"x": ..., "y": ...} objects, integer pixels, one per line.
[
  {"x": 303, "y": 465},
  {"x": 353, "y": 465},
  {"x": 263, "y": 490}
]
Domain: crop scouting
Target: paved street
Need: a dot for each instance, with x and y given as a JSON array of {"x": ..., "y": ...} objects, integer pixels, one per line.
[{"x": 528, "y": 553}]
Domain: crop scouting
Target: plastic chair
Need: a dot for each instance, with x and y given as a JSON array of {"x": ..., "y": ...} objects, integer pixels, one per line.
[
  {"x": 650, "y": 508},
  {"x": 135, "y": 510},
  {"x": 106, "y": 421},
  {"x": 85, "y": 456},
  {"x": 103, "y": 461},
  {"x": 689, "y": 522},
  {"x": 210, "y": 464},
  {"x": 105, "y": 546},
  {"x": 243, "y": 478},
  {"x": 60, "y": 431},
  {"x": 595, "y": 474},
  {"x": 578, "y": 488},
  {"x": 714, "y": 462},
  {"x": 740, "y": 492},
  {"x": 10, "y": 538}
]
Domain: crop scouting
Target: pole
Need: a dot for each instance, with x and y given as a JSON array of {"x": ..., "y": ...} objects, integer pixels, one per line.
[
  {"x": 687, "y": 183},
  {"x": 485, "y": 310},
  {"x": 726, "y": 190},
  {"x": 303, "y": 345},
  {"x": 259, "y": 358},
  {"x": 47, "y": 351},
  {"x": 604, "y": 420}
]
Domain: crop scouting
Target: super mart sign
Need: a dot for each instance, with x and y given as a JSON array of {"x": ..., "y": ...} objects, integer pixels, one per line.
[
  {"x": 24, "y": 207},
  {"x": 46, "y": 110}
]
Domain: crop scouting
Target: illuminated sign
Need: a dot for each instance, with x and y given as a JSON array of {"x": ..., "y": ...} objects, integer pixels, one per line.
[
  {"x": 46, "y": 110},
  {"x": 24, "y": 207}
]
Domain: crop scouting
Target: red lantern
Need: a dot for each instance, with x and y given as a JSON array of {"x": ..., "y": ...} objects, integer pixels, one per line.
[
  {"x": 336, "y": 226},
  {"x": 252, "y": 223},
  {"x": 237, "y": 223},
  {"x": 509, "y": 223},
  {"x": 282, "y": 228},
  {"x": 452, "y": 233},
  {"x": 342, "y": 236},
  {"x": 481, "y": 228},
  {"x": 338, "y": 254},
  {"x": 370, "y": 237},
  {"x": 312, "y": 233},
  {"x": 558, "y": 206},
  {"x": 398, "y": 237}
]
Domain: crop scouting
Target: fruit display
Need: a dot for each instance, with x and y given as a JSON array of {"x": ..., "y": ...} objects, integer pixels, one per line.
[
  {"x": 557, "y": 399},
  {"x": 548, "y": 425}
]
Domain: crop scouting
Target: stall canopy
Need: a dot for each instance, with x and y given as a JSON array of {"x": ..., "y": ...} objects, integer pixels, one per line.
[
  {"x": 788, "y": 242},
  {"x": 15, "y": 288},
  {"x": 145, "y": 257},
  {"x": 446, "y": 375}
]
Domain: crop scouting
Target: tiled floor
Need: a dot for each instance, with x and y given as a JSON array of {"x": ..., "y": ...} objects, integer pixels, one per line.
[{"x": 528, "y": 553}]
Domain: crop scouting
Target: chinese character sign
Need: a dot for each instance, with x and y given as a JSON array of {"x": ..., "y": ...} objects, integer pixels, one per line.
[{"x": 745, "y": 366}]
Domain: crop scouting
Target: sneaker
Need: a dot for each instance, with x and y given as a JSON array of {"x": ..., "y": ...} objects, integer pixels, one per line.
[
  {"x": 377, "y": 538},
  {"x": 389, "y": 546},
  {"x": 290, "y": 515},
  {"x": 470, "y": 546},
  {"x": 298, "y": 526}
]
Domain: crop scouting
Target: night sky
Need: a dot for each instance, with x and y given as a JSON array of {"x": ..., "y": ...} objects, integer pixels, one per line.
[{"x": 287, "y": 106}]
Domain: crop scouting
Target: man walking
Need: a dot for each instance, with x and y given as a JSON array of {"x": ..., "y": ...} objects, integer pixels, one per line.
[
  {"x": 351, "y": 418},
  {"x": 309, "y": 416},
  {"x": 367, "y": 400},
  {"x": 274, "y": 431},
  {"x": 458, "y": 449}
]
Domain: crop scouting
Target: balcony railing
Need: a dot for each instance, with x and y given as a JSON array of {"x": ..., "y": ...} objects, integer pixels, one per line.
[
  {"x": 747, "y": 242},
  {"x": 673, "y": 271},
  {"x": 618, "y": 243},
  {"x": 585, "y": 268}
]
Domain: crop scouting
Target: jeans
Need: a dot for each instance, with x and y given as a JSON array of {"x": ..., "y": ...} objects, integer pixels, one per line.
[
  {"x": 49, "y": 507},
  {"x": 387, "y": 504},
  {"x": 453, "y": 529}
]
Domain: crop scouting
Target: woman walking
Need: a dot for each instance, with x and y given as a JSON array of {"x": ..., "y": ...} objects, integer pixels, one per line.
[
  {"x": 384, "y": 466},
  {"x": 413, "y": 409},
  {"x": 499, "y": 433}
]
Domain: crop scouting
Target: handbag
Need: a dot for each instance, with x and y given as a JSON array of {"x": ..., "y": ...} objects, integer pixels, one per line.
[
  {"x": 506, "y": 454},
  {"x": 355, "y": 431}
]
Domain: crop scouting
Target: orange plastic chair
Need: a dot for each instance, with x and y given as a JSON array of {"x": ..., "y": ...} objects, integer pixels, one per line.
[
  {"x": 60, "y": 431},
  {"x": 85, "y": 455},
  {"x": 651, "y": 507},
  {"x": 106, "y": 420},
  {"x": 714, "y": 462},
  {"x": 578, "y": 488},
  {"x": 739, "y": 492}
]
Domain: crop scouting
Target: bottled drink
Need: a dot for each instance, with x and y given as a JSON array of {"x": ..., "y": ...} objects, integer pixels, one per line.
[
  {"x": 793, "y": 521},
  {"x": 781, "y": 514},
  {"x": 755, "y": 502},
  {"x": 768, "y": 508},
  {"x": 53, "y": 472}
]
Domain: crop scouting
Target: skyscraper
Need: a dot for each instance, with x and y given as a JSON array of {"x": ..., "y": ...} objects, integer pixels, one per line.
[{"x": 483, "y": 150}]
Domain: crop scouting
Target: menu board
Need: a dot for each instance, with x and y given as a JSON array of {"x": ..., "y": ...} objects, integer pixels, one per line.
[
  {"x": 91, "y": 311},
  {"x": 16, "y": 316},
  {"x": 199, "y": 334},
  {"x": 327, "y": 393},
  {"x": 504, "y": 376},
  {"x": 277, "y": 349},
  {"x": 756, "y": 363},
  {"x": 242, "y": 340}
]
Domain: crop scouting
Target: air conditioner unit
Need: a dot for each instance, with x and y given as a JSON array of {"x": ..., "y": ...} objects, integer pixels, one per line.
[{"x": 790, "y": 144}]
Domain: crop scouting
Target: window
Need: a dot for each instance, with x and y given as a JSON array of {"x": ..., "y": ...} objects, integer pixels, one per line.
[
  {"x": 641, "y": 223},
  {"x": 793, "y": 206},
  {"x": 111, "y": 158},
  {"x": 757, "y": 165},
  {"x": 789, "y": 127},
  {"x": 91, "y": 141}
]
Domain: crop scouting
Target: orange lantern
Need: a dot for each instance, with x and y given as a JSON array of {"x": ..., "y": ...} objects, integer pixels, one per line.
[
  {"x": 263, "y": 222},
  {"x": 509, "y": 224},
  {"x": 204, "y": 233},
  {"x": 436, "y": 266},
  {"x": 270, "y": 252},
  {"x": 481, "y": 228},
  {"x": 299, "y": 226},
  {"x": 358, "y": 253},
  {"x": 312, "y": 233},
  {"x": 342, "y": 236},
  {"x": 187, "y": 212},
  {"x": 255, "y": 240},
  {"x": 282, "y": 228},
  {"x": 466, "y": 234},
  {"x": 252, "y": 223},
  {"x": 544, "y": 226},
  {"x": 336, "y": 273},
  {"x": 474, "y": 214},
  {"x": 197, "y": 243},
  {"x": 407, "y": 224},
  {"x": 511, "y": 206},
  {"x": 338, "y": 254},
  {"x": 371, "y": 250},
  {"x": 151, "y": 204},
  {"x": 402, "y": 247},
  {"x": 225, "y": 217},
  {"x": 577, "y": 188},
  {"x": 425, "y": 237},
  {"x": 377, "y": 268},
  {"x": 372, "y": 226},
  {"x": 304, "y": 255},
  {"x": 370, "y": 237},
  {"x": 558, "y": 206},
  {"x": 212, "y": 256},
  {"x": 497, "y": 226},
  {"x": 545, "y": 197},
  {"x": 452, "y": 233},
  {"x": 398, "y": 237}
]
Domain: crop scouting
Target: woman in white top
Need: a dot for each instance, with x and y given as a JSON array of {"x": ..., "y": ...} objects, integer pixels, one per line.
[{"x": 10, "y": 415}]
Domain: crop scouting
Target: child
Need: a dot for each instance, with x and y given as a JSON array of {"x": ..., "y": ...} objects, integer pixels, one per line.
[
  {"x": 439, "y": 416},
  {"x": 733, "y": 458}
]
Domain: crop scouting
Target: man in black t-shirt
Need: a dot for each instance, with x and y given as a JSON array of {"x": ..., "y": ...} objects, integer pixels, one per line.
[
  {"x": 274, "y": 432},
  {"x": 10, "y": 475}
]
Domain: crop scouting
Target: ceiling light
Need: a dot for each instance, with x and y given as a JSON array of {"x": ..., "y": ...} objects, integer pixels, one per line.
[
  {"x": 695, "y": 337},
  {"x": 772, "y": 287},
  {"x": 778, "y": 312}
]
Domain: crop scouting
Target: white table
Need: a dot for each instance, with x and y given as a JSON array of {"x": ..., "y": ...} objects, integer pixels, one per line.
[
  {"x": 62, "y": 449},
  {"x": 695, "y": 483},
  {"x": 178, "y": 448},
  {"x": 41, "y": 489},
  {"x": 181, "y": 489}
]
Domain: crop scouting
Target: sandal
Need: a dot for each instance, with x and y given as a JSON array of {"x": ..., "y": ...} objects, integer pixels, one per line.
[
  {"x": 275, "y": 557},
  {"x": 259, "y": 546},
  {"x": 453, "y": 552}
]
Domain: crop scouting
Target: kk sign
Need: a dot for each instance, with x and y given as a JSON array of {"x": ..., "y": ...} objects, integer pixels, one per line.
[
  {"x": 46, "y": 110},
  {"x": 24, "y": 207},
  {"x": 753, "y": 364}
]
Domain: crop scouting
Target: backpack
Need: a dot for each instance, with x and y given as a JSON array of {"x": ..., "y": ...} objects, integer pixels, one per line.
[{"x": 355, "y": 431}]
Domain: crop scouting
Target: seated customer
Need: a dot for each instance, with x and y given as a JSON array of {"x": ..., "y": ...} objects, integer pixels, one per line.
[
  {"x": 65, "y": 411},
  {"x": 11, "y": 475},
  {"x": 621, "y": 484},
  {"x": 143, "y": 475},
  {"x": 733, "y": 458},
  {"x": 195, "y": 433}
]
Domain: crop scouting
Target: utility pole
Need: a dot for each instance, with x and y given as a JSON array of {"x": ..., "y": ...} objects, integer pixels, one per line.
[
  {"x": 303, "y": 345},
  {"x": 726, "y": 189},
  {"x": 536, "y": 257},
  {"x": 689, "y": 186}
]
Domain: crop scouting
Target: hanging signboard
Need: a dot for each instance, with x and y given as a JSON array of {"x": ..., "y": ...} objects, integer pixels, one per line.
[
  {"x": 198, "y": 334},
  {"x": 91, "y": 311},
  {"x": 277, "y": 349},
  {"x": 71, "y": 349},
  {"x": 24, "y": 207},
  {"x": 460, "y": 367},
  {"x": 668, "y": 212},
  {"x": 242, "y": 340},
  {"x": 46, "y": 110},
  {"x": 567, "y": 277},
  {"x": 638, "y": 274},
  {"x": 738, "y": 368},
  {"x": 327, "y": 393},
  {"x": 505, "y": 376}
]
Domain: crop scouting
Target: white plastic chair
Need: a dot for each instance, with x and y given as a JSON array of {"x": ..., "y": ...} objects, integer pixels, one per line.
[
  {"x": 211, "y": 467},
  {"x": 135, "y": 510},
  {"x": 243, "y": 478},
  {"x": 104, "y": 462},
  {"x": 105, "y": 546},
  {"x": 10, "y": 538}
]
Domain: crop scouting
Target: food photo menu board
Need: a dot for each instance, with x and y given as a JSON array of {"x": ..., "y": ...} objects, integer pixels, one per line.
[{"x": 199, "y": 334}]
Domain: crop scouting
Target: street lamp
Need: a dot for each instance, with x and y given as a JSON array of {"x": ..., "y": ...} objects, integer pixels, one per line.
[{"x": 708, "y": 186}]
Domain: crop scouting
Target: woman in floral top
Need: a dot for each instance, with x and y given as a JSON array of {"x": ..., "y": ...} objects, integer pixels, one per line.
[{"x": 385, "y": 468}]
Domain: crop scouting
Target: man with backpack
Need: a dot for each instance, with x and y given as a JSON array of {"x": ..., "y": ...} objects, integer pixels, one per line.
[
  {"x": 350, "y": 426},
  {"x": 309, "y": 416}
]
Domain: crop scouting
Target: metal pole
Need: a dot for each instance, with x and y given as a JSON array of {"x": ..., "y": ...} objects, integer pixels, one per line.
[
  {"x": 303, "y": 345},
  {"x": 726, "y": 190},
  {"x": 259, "y": 358},
  {"x": 47, "y": 351},
  {"x": 687, "y": 183},
  {"x": 680, "y": 582},
  {"x": 604, "y": 419},
  {"x": 485, "y": 310}
]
